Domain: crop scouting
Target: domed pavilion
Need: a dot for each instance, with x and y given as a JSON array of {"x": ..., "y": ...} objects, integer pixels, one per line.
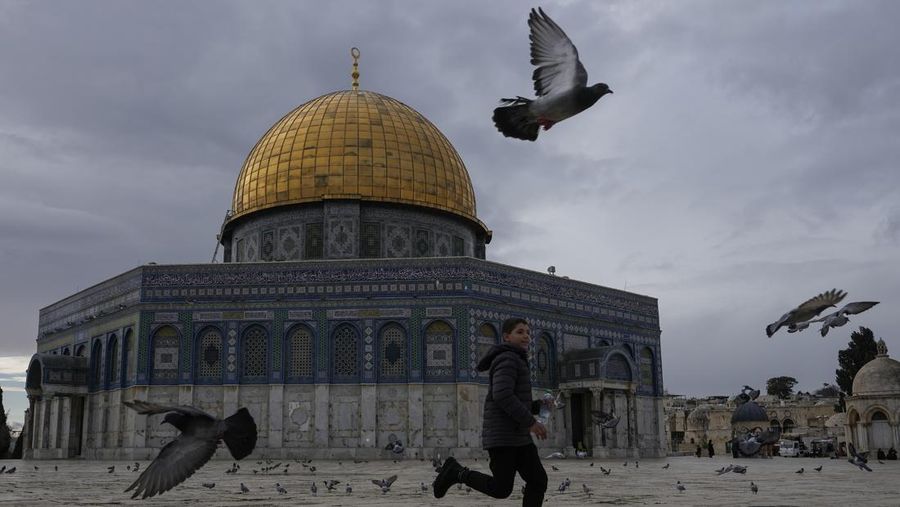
[
  {"x": 873, "y": 411},
  {"x": 352, "y": 306}
]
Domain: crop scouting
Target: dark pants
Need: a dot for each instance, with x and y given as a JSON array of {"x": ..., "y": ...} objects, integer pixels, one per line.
[{"x": 505, "y": 462}]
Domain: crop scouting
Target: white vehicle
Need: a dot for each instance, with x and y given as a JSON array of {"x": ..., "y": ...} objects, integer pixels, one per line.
[{"x": 790, "y": 449}]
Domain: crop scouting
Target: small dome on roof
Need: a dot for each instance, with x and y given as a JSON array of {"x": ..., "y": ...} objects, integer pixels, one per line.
[
  {"x": 879, "y": 376},
  {"x": 749, "y": 412}
]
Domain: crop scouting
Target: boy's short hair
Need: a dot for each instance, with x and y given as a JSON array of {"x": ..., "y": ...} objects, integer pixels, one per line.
[{"x": 510, "y": 324}]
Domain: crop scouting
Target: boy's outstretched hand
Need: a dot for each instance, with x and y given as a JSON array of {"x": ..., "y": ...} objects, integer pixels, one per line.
[{"x": 539, "y": 430}]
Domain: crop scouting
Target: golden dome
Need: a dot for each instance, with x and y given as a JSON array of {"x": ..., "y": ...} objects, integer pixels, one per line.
[{"x": 354, "y": 145}]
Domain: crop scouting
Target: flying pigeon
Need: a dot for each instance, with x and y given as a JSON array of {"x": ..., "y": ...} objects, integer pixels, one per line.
[
  {"x": 330, "y": 485},
  {"x": 560, "y": 82},
  {"x": 839, "y": 318},
  {"x": 200, "y": 434},
  {"x": 604, "y": 420},
  {"x": 807, "y": 310},
  {"x": 557, "y": 455},
  {"x": 858, "y": 458}
]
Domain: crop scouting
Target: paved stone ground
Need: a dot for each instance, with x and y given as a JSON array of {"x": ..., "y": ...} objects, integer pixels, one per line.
[{"x": 839, "y": 483}]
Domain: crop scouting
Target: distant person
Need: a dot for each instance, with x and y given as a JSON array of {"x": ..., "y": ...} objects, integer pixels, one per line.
[
  {"x": 508, "y": 425},
  {"x": 710, "y": 449},
  {"x": 881, "y": 454},
  {"x": 699, "y": 451},
  {"x": 892, "y": 453}
]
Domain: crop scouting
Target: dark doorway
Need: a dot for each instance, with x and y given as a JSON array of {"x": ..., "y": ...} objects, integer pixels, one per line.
[
  {"x": 581, "y": 421},
  {"x": 76, "y": 425}
]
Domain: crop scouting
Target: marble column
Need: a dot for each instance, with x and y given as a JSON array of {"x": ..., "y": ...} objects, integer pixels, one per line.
[
  {"x": 566, "y": 416},
  {"x": 599, "y": 448},
  {"x": 37, "y": 423},
  {"x": 29, "y": 424},
  {"x": 321, "y": 422},
  {"x": 45, "y": 425},
  {"x": 416, "y": 415},
  {"x": 65, "y": 430},
  {"x": 53, "y": 433},
  {"x": 276, "y": 416},
  {"x": 368, "y": 415}
]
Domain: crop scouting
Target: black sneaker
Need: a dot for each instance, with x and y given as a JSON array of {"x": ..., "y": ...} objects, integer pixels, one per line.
[{"x": 448, "y": 476}]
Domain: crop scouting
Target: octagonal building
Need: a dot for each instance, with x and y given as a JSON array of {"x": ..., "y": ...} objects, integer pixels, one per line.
[{"x": 353, "y": 303}]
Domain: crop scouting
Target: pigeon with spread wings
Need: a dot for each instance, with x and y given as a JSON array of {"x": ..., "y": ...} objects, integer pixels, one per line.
[
  {"x": 200, "y": 434},
  {"x": 807, "y": 310},
  {"x": 839, "y": 318},
  {"x": 560, "y": 82}
]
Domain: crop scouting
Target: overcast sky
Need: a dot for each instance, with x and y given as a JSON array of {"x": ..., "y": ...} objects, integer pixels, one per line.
[{"x": 747, "y": 161}]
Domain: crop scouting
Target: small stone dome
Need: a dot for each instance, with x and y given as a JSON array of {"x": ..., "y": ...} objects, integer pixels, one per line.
[
  {"x": 879, "y": 376},
  {"x": 749, "y": 412}
]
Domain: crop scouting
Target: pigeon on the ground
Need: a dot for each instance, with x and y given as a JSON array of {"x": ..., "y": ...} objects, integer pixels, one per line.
[
  {"x": 666, "y": 466},
  {"x": 799, "y": 471},
  {"x": 738, "y": 469},
  {"x": 818, "y": 468},
  {"x": 349, "y": 489},
  {"x": 209, "y": 485},
  {"x": 557, "y": 455},
  {"x": 55, "y": 468},
  {"x": 280, "y": 489},
  {"x": 679, "y": 486},
  {"x": 11, "y": 470},
  {"x": 604, "y": 420},
  {"x": 839, "y": 318},
  {"x": 200, "y": 434},
  {"x": 754, "y": 488},
  {"x": 330, "y": 485},
  {"x": 111, "y": 469},
  {"x": 725, "y": 470},
  {"x": 588, "y": 491},
  {"x": 2, "y": 469},
  {"x": 423, "y": 487},
  {"x": 244, "y": 489},
  {"x": 560, "y": 82},
  {"x": 807, "y": 310},
  {"x": 384, "y": 484},
  {"x": 554, "y": 468}
]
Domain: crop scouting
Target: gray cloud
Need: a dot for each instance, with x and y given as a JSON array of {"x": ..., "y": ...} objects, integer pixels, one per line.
[{"x": 745, "y": 162}]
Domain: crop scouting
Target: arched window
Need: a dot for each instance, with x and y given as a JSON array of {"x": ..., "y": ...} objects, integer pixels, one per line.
[
  {"x": 96, "y": 364},
  {"x": 67, "y": 351},
  {"x": 439, "y": 363},
  {"x": 647, "y": 383},
  {"x": 543, "y": 361},
  {"x": 112, "y": 361},
  {"x": 774, "y": 424},
  {"x": 787, "y": 426},
  {"x": 487, "y": 338},
  {"x": 346, "y": 354},
  {"x": 392, "y": 359},
  {"x": 881, "y": 431},
  {"x": 80, "y": 350},
  {"x": 209, "y": 356},
  {"x": 617, "y": 368},
  {"x": 300, "y": 354},
  {"x": 128, "y": 351},
  {"x": 253, "y": 355},
  {"x": 165, "y": 355}
]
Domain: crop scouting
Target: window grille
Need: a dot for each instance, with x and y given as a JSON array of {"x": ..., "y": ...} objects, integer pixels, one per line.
[
  {"x": 210, "y": 354},
  {"x": 544, "y": 361},
  {"x": 113, "y": 360},
  {"x": 314, "y": 246},
  {"x": 253, "y": 354},
  {"x": 300, "y": 355},
  {"x": 346, "y": 352},
  {"x": 393, "y": 352}
]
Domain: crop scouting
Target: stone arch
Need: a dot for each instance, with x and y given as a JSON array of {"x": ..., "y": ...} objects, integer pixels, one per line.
[
  {"x": 486, "y": 337},
  {"x": 164, "y": 356},
  {"x": 544, "y": 363},
  {"x": 67, "y": 351},
  {"x": 617, "y": 366},
  {"x": 440, "y": 351},
  {"x": 869, "y": 414},
  {"x": 129, "y": 356},
  {"x": 209, "y": 365},
  {"x": 393, "y": 353},
  {"x": 787, "y": 425},
  {"x": 346, "y": 353},
  {"x": 96, "y": 362},
  {"x": 648, "y": 370},
  {"x": 80, "y": 350},
  {"x": 254, "y": 354},
  {"x": 300, "y": 353},
  {"x": 34, "y": 378},
  {"x": 112, "y": 361}
]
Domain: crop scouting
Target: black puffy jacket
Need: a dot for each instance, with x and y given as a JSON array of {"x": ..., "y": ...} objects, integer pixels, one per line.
[{"x": 508, "y": 407}]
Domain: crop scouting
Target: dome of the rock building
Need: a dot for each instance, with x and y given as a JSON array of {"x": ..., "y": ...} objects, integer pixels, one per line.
[
  {"x": 749, "y": 412},
  {"x": 879, "y": 376},
  {"x": 354, "y": 145}
]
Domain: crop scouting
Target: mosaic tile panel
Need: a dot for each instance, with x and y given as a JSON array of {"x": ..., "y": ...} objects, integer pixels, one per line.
[
  {"x": 209, "y": 355},
  {"x": 165, "y": 354},
  {"x": 439, "y": 359}
]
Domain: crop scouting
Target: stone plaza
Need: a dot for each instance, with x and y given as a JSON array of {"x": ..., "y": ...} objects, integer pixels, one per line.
[{"x": 89, "y": 482}]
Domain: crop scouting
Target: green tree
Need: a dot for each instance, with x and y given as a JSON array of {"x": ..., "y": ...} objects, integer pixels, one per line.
[
  {"x": 859, "y": 351},
  {"x": 4, "y": 429},
  {"x": 783, "y": 387}
]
